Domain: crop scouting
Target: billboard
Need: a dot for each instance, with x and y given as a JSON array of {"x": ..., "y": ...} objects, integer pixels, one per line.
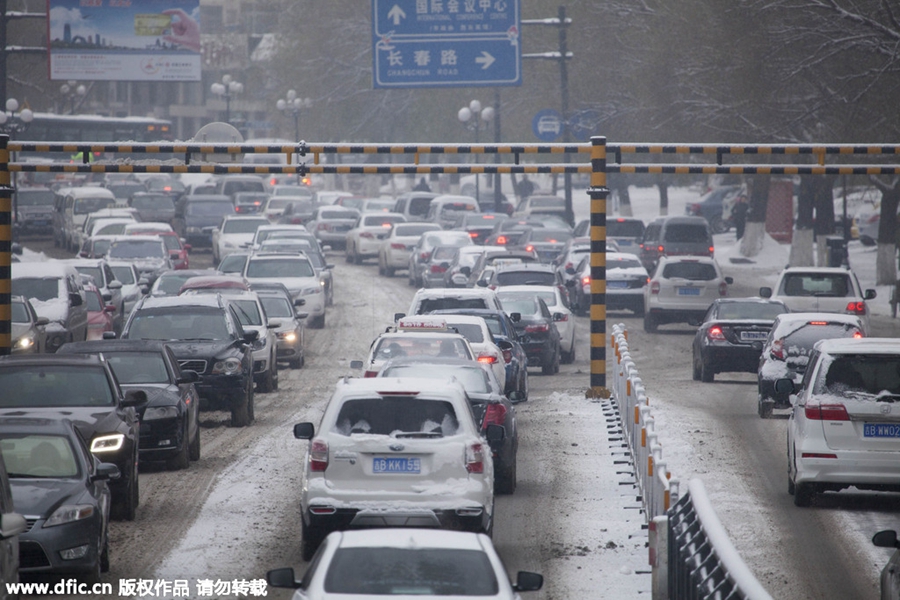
[{"x": 124, "y": 40}]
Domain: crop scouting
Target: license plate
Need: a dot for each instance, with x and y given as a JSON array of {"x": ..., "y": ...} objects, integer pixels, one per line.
[
  {"x": 617, "y": 285},
  {"x": 396, "y": 465},
  {"x": 881, "y": 430},
  {"x": 753, "y": 336},
  {"x": 688, "y": 291}
]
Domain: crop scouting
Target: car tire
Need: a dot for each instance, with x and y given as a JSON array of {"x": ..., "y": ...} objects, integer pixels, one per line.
[
  {"x": 804, "y": 493},
  {"x": 523, "y": 385},
  {"x": 251, "y": 404},
  {"x": 104, "y": 555},
  {"x": 182, "y": 459},
  {"x": 764, "y": 407},
  {"x": 717, "y": 225},
  {"x": 568, "y": 358},
  {"x": 297, "y": 363},
  {"x": 380, "y": 267},
  {"x": 412, "y": 277},
  {"x": 92, "y": 577},
  {"x": 547, "y": 366},
  {"x": 707, "y": 374},
  {"x": 350, "y": 257},
  {"x": 240, "y": 412},
  {"x": 312, "y": 538},
  {"x": 651, "y": 325},
  {"x": 389, "y": 271},
  {"x": 505, "y": 479},
  {"x": 317, "y": 323},
  {"x": 268, "y": 385},
  {"x": 127, "y": 510},
  {"x": 194, "y": 449}
]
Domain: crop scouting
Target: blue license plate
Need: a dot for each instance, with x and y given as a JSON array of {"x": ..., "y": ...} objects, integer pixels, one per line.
[
  {"x": 881, "y": 430},
  {"x": 688, "y": 291},
  {"x": 396, "y": 465},
  {"x": 617, "y": 285},
  {"x": 753, "y": 336}
]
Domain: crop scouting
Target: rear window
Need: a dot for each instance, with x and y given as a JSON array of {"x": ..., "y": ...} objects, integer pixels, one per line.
[
  {"x": 622, "y": 263},
  {"x": 862, "y": 376},
  {"x": 137, "y": 249},
  {"x": 686, "y": 233},
  {"x": 525, "y": 278},
  {"x": 421, "y": 345},
  {"x": 55, "y": 385},
  {"x": 138, "y": 367},
  {"x": 547, "y": 202},
  {"x": 337, "y": 214},
  {"x": 160, "y": 202},
  {"x": 801, "y": 340},
  {"x": 632, "y": 229},
  {"x": 429, "y": 304},
  {"x": 412, "y": 230},
  {"x": 470, "y": 331},
  {"x": 444, "y": 253},
  {"x": 553, "y": 236},
  {"x": 418, "y": 207},
  {"x": 813, "y": 284},
  {"x": 383, "y": 220},
  {"x": 210, "y": 209},
  {"x": 472, "y": 378},
  {"x": 694, "y": 271},
  {"x": 262, "y": 267},
  {"x": 43, "y": 289},
  {"x": 520, "y": 304},
  {"x": 243, "y": 225},
  {"x": 397, "y": 416}
]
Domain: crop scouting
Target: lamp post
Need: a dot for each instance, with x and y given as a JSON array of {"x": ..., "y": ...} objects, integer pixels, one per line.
[
  {"x": 228, "y": 88},
  {"x": 72, "y": 91},
  {"x": 474, "y": 117},
  {"x": 12, "y": 122},
  {"x": 292, "y": 105}
]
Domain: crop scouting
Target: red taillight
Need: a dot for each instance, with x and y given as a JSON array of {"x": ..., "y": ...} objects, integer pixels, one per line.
[
  {"x": 586, "y": 280},
  {"x": 661, "y": 249},
  {"x": 318, "y": 455},
  {"x": 507, "y": 356},
  {"x": 475, "y": 458},
  {"x": 529, "y": 248},
  {"x": 370, "y": 374},
  {"x": 856, "y": 308},
  {"x": 487, "y": 359},
  {"x": 473, "y": 234},
  {"x": 723, "y": 289},
  {"x": 654, "y": 287},
  {"x": 777, "y": 350},
  {"x": 438, "y": 269},
  {"x": 695, "y": 209},
  {"x": 857, "y": 334},
  {"x": 711, "y": 250},
  {"x": 494, "y": 415},
  {"x": 540, "y": 328},
  {"x": 501, "y": 240},
  {"x": 424, "y": 256},
  {"x": 367, "y": 235},
  {"x": 715, "y": 333},
  {"x": 826, "y": 412},
  {"x": 398, "y": 246}
]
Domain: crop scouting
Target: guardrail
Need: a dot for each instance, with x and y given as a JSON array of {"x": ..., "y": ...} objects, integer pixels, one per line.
[{"x": 690, "y": 552}]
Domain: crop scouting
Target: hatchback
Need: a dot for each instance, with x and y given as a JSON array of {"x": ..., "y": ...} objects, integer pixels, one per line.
[{"x": 681, "y": 290}]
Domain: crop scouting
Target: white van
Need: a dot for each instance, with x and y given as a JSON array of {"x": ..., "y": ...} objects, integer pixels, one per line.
[
  {"x": 71, "y": 208},
  {"x": 446, "y": 210}
]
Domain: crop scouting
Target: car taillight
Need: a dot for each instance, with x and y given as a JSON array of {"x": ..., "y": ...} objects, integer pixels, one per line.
[
  {"x": 494, "y": 415},
  {"x": 539, "y": 328},
  {"x": 857, "y": 334},
  {"x": 586, "y": 280},
  {"x": 487, "y": 359},
  {"x": 322, "y": 226},
  {"x": 661, "y": 249},
  {"x": 695, "y": 209},
  {"x": 715, "y": 333},
  {"x": 826, "y": 412},
  {"x": 568, "y": 266},
  {"x": 370, "y": 374},
  {"x": 367, "y": 235},
  {"x": 318, "y": 455},
  {"x": 475, "y": 458},
  {"x": 501, "y": 240},
  {"x": 529, "y": 248},
  {"x": 438, "y": 269},
  {"x": 507, "y": 356},
  {"x": 473, "y": 234},
  {"x": 424, "y": 256},
  {"x": 856, "y": 308},
  {"x": 711, "y": 250},
  {"x": 723, "y": 289},
  {"x": 654, "y": 287},
  {"x": 398, "y": 246},
  {"x": 777, "y": 350}
]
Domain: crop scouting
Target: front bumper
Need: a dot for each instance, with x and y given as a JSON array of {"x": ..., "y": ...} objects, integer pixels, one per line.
[
  {"x": 678, "y": 315},
  {"x": 161, "y": 439},
  {"x": 40, "y": 548},
  {"x": 728, "y": 357},
  {"x": 219, "y": 391},
  {"x": 879, "y": 470}
]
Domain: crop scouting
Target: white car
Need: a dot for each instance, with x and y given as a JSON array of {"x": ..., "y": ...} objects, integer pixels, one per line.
[
  {"x": 133, "y": 287},
  {"x": 476, "y": 331},
  {"x": 235, "y": 233},
  {"x": 297, "y": 274},
  {"x": 626, "y": 279},
  {"x": 821, "y": 289},
  {"x": 330, "y": 224},
  {"x": 427, "y": 300},
  {"x": 416, "y": 336},
  {"x": 365, "y": 238},
  {"x": 396, "y": 452},
  {"x": 454, "y": 564},
  {"x": 681, "y": 290},
  {"x": 264, "y": 232},
  {"x": 844, "y": 427},
  {"x": 253, "y": 317},
  {"x": 558, "y": 305},
  {"x": 396, "y": 248}
]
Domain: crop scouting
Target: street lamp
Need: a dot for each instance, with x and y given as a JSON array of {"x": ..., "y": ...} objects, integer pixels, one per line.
[
  {"x": 72, "y": 90},
  {"x": 469, "y": 116},
  {"x": 12, "y": 122},
  {"x": 228, "y": 88},
  {"x": 292, "y": 106}
]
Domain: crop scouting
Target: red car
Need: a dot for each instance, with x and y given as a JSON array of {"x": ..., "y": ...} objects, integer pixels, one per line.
[{"x": 100, "y": 314}]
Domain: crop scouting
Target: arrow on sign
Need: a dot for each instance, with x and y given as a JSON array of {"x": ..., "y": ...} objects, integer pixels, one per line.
[
  {"x": 396, "y": 13},
  {"x": 485, "y": 60}
]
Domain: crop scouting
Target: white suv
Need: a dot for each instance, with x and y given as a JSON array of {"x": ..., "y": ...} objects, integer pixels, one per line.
[
  {"x": 396, "y": 452},
  {"x": 844, "y": 427},
  {"x": 297, "y": 274},
  {"x": 821, "y": 289},
  {"x": 681, "y": 290}
]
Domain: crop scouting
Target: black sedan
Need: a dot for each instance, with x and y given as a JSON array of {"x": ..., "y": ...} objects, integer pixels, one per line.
[
  {"x": 84, "y": 389},
  {"x": 61, "y": 489},
  {"x": 489, "y": 404},
  {"x": 731, "y": 336},
  {"x": 170, "y": 424},
  {"x": 536, "y": 328}
]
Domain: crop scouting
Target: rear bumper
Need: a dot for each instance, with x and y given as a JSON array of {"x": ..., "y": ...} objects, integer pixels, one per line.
[
  {"x": 740, "y": 359},
  {"x": 473, "y": 518}
]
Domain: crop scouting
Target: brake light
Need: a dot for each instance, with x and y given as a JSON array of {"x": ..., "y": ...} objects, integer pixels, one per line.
[
  {"x": 318, "y": 455},
  {"x": 723, "y": 289},
  {"x": 424, "y": 256},
  {"x": 487, "y": 359},
  {"x": 398, "y": 246},
  {"x": 437, "y": 269},
  {"x": 539, "y": 328},
  {"x": 494, "y": 415},
  {"x": 586, "y": 280},
  {"x": 818, "y": 322},
  {"x": 507, "y": 356},
  {"x": 715, "y": 333},
  {"x": 473, "y": 234},
  {"x": 695, "y": 209},
  {"x": 857, "y": 335},
  {"x": 654, "y": 287},
  {"x": 826, "y": 412},
  {"x": 475, "y": 458},
  {"x": 501, "y": 240},
  {"x": 661, "y": 249},
  {"x": 856, "y": 308},
  {"x": 529, "y": 248},
  {"x": 777, "y": 350},
  {"x": 370, "y": 374},
  {"x": 568, "y": 266},
  {"x": 711, "y": 250}
]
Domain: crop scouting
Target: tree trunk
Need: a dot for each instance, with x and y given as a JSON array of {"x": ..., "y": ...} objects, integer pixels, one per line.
[
  {"x": 755, "y": 232},
  {"x": 663, "y": 198},
  {"x": 802, "y": 240},
  {"x": 885, "y": 265},
  {"x": 624, "y": 199},
  {"x": 824, "y": 222}
]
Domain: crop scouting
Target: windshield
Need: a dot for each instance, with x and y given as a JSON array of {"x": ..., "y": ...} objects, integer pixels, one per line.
[
  {"x": 110, "y": 229},
  {"x": 248, "y": 312},
  {"x": 193, "y": 324},
  {"x": 277, "y": 308},
  {"x": 210, "y": 209},
  {"x": 55, "y": 385},
  {"x": 158, "y": 202},
  {"x": 138, "y": 367},
  {"x": 95, "y": 272},
  {"x": 525, "y": 278},
  {"x": 20, "y": 313},
  {"x": 34, "y": 198},
  {"x": 124, "y": 274},
  {"x": 46, "y": 288},
  {"x": 396, "y": 416},
  {"x": 170, "y": 283},
  {"x": 243, "y": 225},
  {"x": 267, "y": 267},
  {"x": 137, "y": 249},
  {"x": 38, "y": 456}
]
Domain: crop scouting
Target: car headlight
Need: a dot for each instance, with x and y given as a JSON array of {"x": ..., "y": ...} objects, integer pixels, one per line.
[
  {"x": 310, "y": 291},
  {"x": 68, "y": 513},
  {"x": 23, "y": 343},
  {"x": 160, "y": 412},
  {"x": 229, "y": 366},
  {"x": 107, "y": 443},
  {"x": 260, "y": 343},
  {"x": 322, "y": 282},
  {"x": 290, "y": 336}
]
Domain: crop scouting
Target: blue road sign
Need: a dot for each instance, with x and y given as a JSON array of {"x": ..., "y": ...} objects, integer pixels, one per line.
[
  {"x": 401, "y": 18},
  {"x": 584, "y": 123},
  {"x": 547, "y": 125},
  {"x": 446, "y": 43}
]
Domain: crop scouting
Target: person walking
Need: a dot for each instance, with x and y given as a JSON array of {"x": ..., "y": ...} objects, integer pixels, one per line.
[{"x": 739, "y": 215}]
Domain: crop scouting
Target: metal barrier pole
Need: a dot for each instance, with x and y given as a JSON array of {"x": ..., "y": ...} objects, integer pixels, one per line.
[
  {"x": 598, "y": 193},
  {"x": 5, "y": 249}
]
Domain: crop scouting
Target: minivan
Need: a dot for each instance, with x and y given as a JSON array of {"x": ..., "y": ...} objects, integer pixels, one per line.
[
  {"x": 445, "y": 210},
  {"x": 71, "y": 208},
  {"x": 675, "y": 236}
]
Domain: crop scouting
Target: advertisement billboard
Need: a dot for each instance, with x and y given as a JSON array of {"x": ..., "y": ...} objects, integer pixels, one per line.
[{"x": 124, "y": 40}]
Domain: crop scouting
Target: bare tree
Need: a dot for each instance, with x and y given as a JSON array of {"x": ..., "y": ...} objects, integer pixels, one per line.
[{"x": 885, "y": 265}]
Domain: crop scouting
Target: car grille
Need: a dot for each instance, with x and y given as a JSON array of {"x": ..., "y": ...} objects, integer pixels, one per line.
[
  {"x": 31, "y": 556},
  {"x": 193, "y": 365},
  {"x": 29, "y": 524}
]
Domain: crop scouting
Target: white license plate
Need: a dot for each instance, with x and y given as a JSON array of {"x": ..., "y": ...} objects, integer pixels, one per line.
[
  {"x": 617, "y": 285},
  {"x": 688, "y": 291},
  {"x": 382, "y": 464},
  {"x": 881, "y": 430},
  {"x": 753, "y": 336}
]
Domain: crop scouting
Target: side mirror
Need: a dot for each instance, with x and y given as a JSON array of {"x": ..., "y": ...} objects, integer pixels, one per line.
[
  {"x": 331, "y": 265},
  {"x": 282, "y": 578},
  {"x": 145, "y": 289},
  {"x": 115, "y": 284},
  {"x": 504, "y": 344},
  {"x": 187, "y": 247},
  {"x": 42, "y": 322},
  {"x": 445, "y": 265},
  {"x": 481, "y": 283},
  {"x": 174, "y": 254},
  {"x": 558, "y": 317},
  {"x": 784, "y": 386},
  {"x": 765, "y": 292},
  {"x": 515, "y": 317},
  {"x": 134, "y": 398},
  {"x": 528, "y": 582},
  {"x": 16, "y": 248},
  {"x": 516, "y": 397},
  {"x": 870, "y": 294},
  {"x": 570, "y": 270},
  {"x": 886, "y": 539},
  {"x": 274, "y": 324},
  {"x": 356, "y": 364},
  {"x": 570, "y": 283},
  {"x": 301, "y": 315},
  {"x": 251, "y": 336},
  {"x": 109, "y": 335},
  {"x": 299, "y": 302},
  {"x": 495, "y": 434},
  {"x": 12, "y": 524},
  {"x": 304, "y": 431},
  {"x": 729, "y": 280},
  {"x": 398, "y": 316},
  {"x": 109, "y": 308},
  {"x": 75, "y": 299},
  {"x": 106, "y": 471},
  {"x": 465, "y": 271},
  {"x": 188, "y": 376}
]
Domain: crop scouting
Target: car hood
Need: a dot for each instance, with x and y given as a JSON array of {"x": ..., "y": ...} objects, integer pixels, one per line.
[
  {"x": 40, "y": 497},
  {"x": 17, "y": 330},
  {"x": 200, "y": 349},
  {"x": 89, "y": 420}
]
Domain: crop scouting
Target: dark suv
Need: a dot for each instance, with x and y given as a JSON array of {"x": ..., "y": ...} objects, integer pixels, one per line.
[
  {"x": 81, "y": 388},
  {"x": 198, "y": 215},
  {"x": 675, "y": 236},
  {"x": 206, "y": 336}
]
